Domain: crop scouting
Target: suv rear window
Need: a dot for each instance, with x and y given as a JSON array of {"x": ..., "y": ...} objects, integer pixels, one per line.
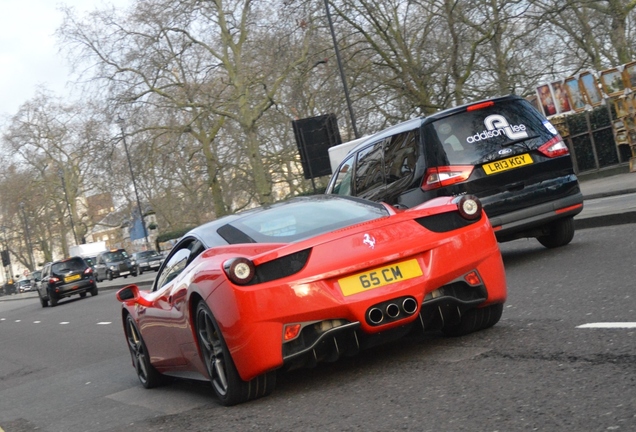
[
  {"x": 475, "y": 137},
  {"x": 73, "y": 264}
]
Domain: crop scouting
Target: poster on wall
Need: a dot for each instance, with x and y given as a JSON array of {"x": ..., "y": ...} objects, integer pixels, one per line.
[
  {"x": 590, "y": 86},
  {"x": 546, "y": 100},
  {"x": 629, "y": 74},
  {"x": 612, "y": 82},
  {"x": 577, "y": 99},
  {"x": 561, "y": 98}
]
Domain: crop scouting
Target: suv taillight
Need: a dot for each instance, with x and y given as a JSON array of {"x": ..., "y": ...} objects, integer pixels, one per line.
[
  {"x": 438, "y": 177},
  {"x": 88, "y": 271},
  {"x": 554, "y": 148},
  {"x": 53, "y": 280}
]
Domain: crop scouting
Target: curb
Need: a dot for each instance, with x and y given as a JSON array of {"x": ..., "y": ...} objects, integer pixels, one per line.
[{"x": 605, "y": 220}]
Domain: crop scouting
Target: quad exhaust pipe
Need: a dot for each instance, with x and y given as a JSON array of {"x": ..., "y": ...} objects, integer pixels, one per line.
[{"x": 391, "y": 310}]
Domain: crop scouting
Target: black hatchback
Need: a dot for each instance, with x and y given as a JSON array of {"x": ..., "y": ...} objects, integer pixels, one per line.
[
  {"x": 65, "y": 278},
  {"x": 502, "y": 150}
]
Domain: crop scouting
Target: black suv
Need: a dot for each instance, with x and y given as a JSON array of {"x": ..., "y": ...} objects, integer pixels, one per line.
[
  {"x": 113, "y": 264},
  {"x": 65, "y": 278},
  {"x": 502, "y": 150}
]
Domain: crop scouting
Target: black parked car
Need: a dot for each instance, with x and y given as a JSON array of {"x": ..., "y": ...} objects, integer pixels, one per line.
[
  {"x": 113, "y": 264},
  {"x": 65, "y": 278},
  {"x": 147, "y": 260},
  {"x": 502, "y": 150}
]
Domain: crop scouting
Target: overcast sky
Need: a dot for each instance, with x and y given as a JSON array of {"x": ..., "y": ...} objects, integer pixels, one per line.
[{"x": 28, "y": 53}]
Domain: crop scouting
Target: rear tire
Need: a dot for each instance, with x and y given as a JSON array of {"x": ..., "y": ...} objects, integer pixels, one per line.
[
  {"x": 475, "y": 319},
  {"x": 110, "y": 276},
  {"x": 52, "y": 300},
  {"x": 226, "y": 382},
  {"x": 94, "y": 291},
  {"x": 560, "y": 233},
  {"x": 44, "y": 302}
]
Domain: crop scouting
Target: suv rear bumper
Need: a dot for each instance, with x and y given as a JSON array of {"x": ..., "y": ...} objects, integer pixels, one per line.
[
  {"x": 73, "y": 289},
  {"x": 528, "y": 222}
]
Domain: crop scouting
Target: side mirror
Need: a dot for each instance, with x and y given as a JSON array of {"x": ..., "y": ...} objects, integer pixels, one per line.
[{"x": 130, "y": 294}]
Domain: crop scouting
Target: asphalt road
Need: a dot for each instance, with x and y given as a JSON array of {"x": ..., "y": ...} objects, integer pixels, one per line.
[{"x": 541, "y": 368}]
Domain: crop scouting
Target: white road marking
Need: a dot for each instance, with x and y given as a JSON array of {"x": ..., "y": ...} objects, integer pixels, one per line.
[
  {"x": 62, "y": 323},
  {"x": 606, "y": 325}
]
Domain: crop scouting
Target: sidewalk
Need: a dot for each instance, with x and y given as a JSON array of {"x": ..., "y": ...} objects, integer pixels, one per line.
[{"x": 608, "y": 199}]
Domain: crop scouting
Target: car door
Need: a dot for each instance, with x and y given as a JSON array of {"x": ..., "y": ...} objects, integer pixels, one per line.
[{"x": 164, "y": 325}]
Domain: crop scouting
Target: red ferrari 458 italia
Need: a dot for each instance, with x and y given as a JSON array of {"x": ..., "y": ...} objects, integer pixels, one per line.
[{"x": 308, "y": 280}]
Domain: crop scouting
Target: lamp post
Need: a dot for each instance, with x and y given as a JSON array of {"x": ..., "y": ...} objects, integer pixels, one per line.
[
  {"x": 60, "y": 172},
  {"x": 120, "y": 122},
  {"x": 341, "y": 69}
]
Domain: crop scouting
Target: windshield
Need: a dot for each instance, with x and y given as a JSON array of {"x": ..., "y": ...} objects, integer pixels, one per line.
[
  {"x": 115, "y": 256},
  {"x": 146, "y": 254}
]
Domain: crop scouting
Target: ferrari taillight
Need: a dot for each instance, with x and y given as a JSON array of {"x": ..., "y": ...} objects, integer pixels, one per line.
[
  {"x": 438, "y": 177},
  {"x": 554, "y": 148},
  {"x": 469, "y": 207},
  {"x": 239, "y": 270}
]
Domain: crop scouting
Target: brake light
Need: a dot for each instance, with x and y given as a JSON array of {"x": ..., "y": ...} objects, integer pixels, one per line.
[
  {"x": 469, "y": 207},
  {"x": 480, "y": 106},
  {"x": 54, "y": 280},
  {"x": 239, "y": 270},
  {"x": 88, "y": 271},
  {"x": 438, "y": 177},
  {"x": 554, "y": 148}
]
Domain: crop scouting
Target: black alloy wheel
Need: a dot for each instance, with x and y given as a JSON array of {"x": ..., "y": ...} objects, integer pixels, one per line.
[
  {"x": 147, "y": 374},
  {"x": 226, "y": 382}
]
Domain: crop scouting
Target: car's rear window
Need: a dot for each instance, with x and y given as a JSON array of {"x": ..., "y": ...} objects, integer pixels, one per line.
[
  {"x": 68, "y": 265},
  {"x": 473, "y": 137},
  {"x": 297, "y": 220}
]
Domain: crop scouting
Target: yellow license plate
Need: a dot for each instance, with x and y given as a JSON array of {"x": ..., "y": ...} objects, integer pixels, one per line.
[
  {"x": 72, "y": 278},
  {"x": 379, "y": 277},
  {"x": 507, "y": 164}
]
